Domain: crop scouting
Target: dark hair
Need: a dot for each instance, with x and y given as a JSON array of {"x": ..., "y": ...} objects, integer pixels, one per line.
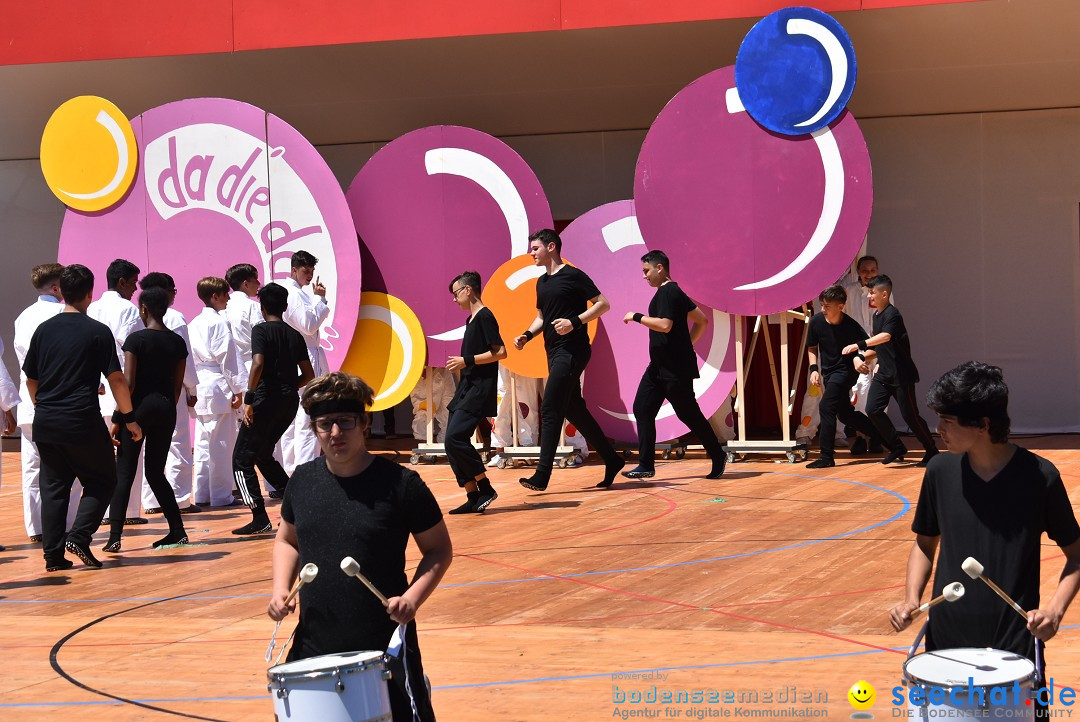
[
  {"x": 209, "y": 286},
  {"x": 834, "y": 292},
  {"x": 45, "y": 275},
  {"x": 865, "y": 259},
  {"x": 470, "y": 279},
  {"x": 119, "y": 270},
  {"x": 303, "y": 259},
  {"x": 157, "y": 279},
  {"x": 156, "y": 300},
  {"x": 880, "y": 280},
  {"x": 971, "y": 392},
  {"x": 338, "y": 386},
  {"x": 656, "y": 258},
  {"x": 76, "y": 283},
  {"x": 237, "y": 275},
  {"x": 546, "y": 236},
  {"x": 274, "y": 299}
]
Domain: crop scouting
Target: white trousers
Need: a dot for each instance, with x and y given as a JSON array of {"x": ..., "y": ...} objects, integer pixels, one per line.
[
  {"x": 298, "y": 444},
  {"x": 528, "y": 394},
  {"x": 215, "y": 437},
  {"x": 31, "y": 474},
  {"x": 810, "y": 419},
  {"x": 442, "y": 388},
  {"x": 178, "y": 466}
]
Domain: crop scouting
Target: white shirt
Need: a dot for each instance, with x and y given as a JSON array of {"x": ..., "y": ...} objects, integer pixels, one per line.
[
  {"x": 9, "y": 392},
  {"x": 33, "y": 316},
  {"x": 214, "y": 354},
  {"x": 122, "y": 318},
  {"x": 175, "y": 322},
  {"x": 306, "y": 313},
  {"x": 243, "y": 313}
]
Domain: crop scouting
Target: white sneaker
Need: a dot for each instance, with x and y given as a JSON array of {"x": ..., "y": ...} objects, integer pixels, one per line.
[
  {"x": 574, "y": 460},
  {"x": 493, "y": 461}
]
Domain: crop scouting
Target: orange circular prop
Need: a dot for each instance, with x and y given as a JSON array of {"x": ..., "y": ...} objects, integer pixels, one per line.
[
  {"x": 510, "y": 293},
  {"x": 388, "y": 348}
]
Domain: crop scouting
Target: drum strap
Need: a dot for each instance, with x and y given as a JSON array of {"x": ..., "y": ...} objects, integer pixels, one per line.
[{"x": 398, "y": 648}]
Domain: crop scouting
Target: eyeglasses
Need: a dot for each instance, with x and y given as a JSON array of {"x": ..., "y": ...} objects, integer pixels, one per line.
[
  {"x": 455, "y": 292},
  {"x": 326, "y": 424}
]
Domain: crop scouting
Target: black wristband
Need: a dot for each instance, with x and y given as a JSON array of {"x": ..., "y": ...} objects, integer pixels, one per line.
[
  {"x": 249, "y": 397},
  {"x": 470, "y": 360},
  {"x": 528, "y": 335},
  {"x": 861, "y": 356},
  {"x": 575, "y": 321},
  {"x": 119, "y": 417},
  {"x": 861, "y": 344},
  {"x": 638, "y": 317},
  {"x": 813, "y": 368}
]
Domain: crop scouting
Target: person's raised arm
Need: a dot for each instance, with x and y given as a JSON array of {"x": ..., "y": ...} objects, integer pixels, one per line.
[{"x": 434, "y": 544}]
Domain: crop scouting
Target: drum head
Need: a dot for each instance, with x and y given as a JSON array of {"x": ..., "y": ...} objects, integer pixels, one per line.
[
  {"x": 326, "y": 662},
  {"x": 953, "y": 667}
]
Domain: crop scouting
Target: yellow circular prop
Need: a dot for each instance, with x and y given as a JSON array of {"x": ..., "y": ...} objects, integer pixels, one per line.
[
  {"x": 388, "y": 349},
  {"x": 88, "y": 153},
  {"x": 510, "y": 293}
]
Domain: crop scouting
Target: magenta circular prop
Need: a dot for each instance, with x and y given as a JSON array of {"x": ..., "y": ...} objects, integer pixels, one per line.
[
  {"x": 606, "y": 244},
  {"x": 755, "y": 222},
  {"x": 222, "y": 182},
  {"x": 436, "y": 202}
]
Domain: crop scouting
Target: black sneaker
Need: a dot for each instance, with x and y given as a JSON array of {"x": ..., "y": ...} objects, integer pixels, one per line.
[
  {"x": 896, "y": 454},
  {"x": 487, "y": 495},
  {"x": 135, "y": 521},
  {"x": 639, "y": 473},
  {"x": 821, "y": 464},
  {"x": 59, "y": 565},
  {"x": 876, "y": 447},
  {"x": 83, "y": 552},
  {"x": 930, "y": 454},
  {"x": 256, "y": 526},
  {"x": 859, "y": 447},
  {"x": 191, "y": 509},
  {"x": 469, "y": 507},
  {"x": 150, "y": 510},
  {"x": 35, "y": 538},
  {"x": 275, "y": 494},
  {"x": 536, "y": 482}
]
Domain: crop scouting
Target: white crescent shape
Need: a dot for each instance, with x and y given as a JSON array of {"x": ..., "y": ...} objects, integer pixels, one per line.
[
  {"x": 484, "y": 172},
  {"x": 522, "y": 275},
  {"x": 105, "y": 120},
  {"x": 837, "y": 61},
  {"x": 401, "y": 331},
  {"x": 622, "y": 233},
  {"x": 706, "y": 375}
]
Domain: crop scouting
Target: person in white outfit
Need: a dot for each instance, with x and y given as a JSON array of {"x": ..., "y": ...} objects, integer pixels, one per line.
[
  {"x": 527, "y": 391},
  {"x": 9, "y": 399},
  {"x": 243, "y": 312},
  {"x": 179, "y": 463},
  {"x": 115, "y": 310},
  {"x": 219, "y": 393},
  {"x": 306, "y": 312},
  {"x": 442, "y": 391},
  {"x": 46, "y": 280}
]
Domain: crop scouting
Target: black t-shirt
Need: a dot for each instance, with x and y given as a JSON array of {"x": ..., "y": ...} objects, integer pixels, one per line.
[
  {"x": 1000, "y": 523},
  {"x": 673, "y": 351},
  {"x": 282, "y": 348},
  {"x": 478, "y": 390},
  {"x": 157, "y": 354},
  {"x": 895, "y": 365},
  {"x": 67, "y": 356},
  {"x": 368, "y": 517},
  {"x": 831, "y": 339},
  {"x": 565, "y": 294}
]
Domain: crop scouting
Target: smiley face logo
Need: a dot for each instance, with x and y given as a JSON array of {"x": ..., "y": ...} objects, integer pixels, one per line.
[{"x": 862, "y": 695}]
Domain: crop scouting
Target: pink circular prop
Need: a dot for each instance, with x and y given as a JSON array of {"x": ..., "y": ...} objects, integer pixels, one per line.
[
  {"x": 606, "y": 244},
  {"x": 755, "y": 222},
  {"x": 436, "y": 202},
  {"x": 222, "y": 182}
]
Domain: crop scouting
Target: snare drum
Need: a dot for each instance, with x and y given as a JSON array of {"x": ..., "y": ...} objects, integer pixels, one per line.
[
  {"x": 950, "y": 669},
  {"x": 348, "y": 687}
]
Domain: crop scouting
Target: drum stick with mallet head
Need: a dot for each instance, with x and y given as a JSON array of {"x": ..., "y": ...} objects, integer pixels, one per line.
[
  {"x": 950, "y": 593},
  {"x": 974, "y": 570},
  {"x": 307, "y": 574},
  {"x": 352, "y": 568}
]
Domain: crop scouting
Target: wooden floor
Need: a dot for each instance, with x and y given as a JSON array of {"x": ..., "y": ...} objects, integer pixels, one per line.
[{"x": 774, "y": 580}]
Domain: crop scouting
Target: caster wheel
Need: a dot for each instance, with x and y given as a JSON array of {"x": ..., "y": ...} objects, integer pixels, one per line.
[
  {"x": 431, "y": 459},
  {"x": 680, "y": 452},
  {"x": 501, "y": 463},
  {"x": 731, "y": 458},
  {"x": 562, "y": 463},
  {"x": 626, "y": 455},
  {"x": 666, "y": 454},
  {"x": 414, "y": 459},
  {"x": 790, "y": 457}
]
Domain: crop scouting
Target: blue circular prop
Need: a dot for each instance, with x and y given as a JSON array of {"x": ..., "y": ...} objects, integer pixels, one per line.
[{"x": 795, "y": 71}]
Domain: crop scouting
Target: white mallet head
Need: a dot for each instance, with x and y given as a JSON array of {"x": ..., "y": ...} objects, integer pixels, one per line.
[
  {"x": 972, "y": 567},
  {"x": 350, "y": 566},
  {"x": 953, "y": 592},
  {"x": 308, "y": 573}
]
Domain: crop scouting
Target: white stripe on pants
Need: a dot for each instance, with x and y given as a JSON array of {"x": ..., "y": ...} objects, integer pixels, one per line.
[
  {"x": 31, "y": 473},
  {"x": 215, "y": 437},
  {"x": 299, "y": 444}
]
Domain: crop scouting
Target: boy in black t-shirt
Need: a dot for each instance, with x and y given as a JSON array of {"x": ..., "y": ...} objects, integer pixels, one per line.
[
  {"x": 67, "y": 356},
  {"x": 896, "y": 374},
  {"x": 827, "y": 335},
  {"x": 672, "y": 367},
  {"x": 349, "y": 502},
  {"x": 270, "y": 404},
  {"x": 990, "y": 500},
  {"x": 476, "y": 397},
  {"x": 563, "y": 295}
]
